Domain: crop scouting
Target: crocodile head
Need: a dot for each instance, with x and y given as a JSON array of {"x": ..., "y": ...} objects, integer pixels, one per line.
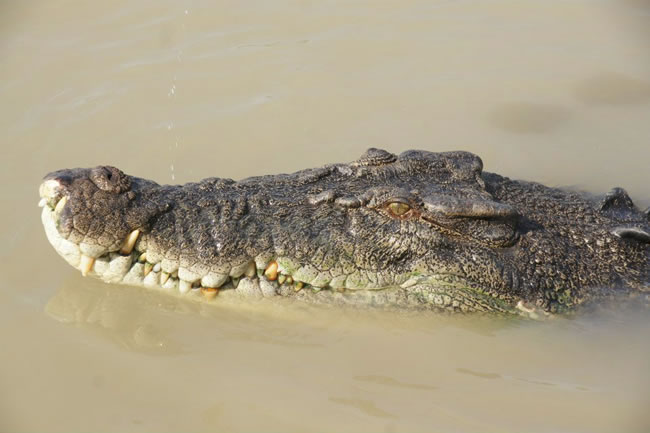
[{"x": 419, "y": 230}]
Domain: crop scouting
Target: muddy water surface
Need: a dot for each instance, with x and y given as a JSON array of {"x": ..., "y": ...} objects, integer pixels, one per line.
[{"x": 553, "y": 91}]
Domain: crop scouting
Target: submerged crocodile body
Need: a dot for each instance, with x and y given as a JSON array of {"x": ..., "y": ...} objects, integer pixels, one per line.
[{"x": 420, "y": 230}]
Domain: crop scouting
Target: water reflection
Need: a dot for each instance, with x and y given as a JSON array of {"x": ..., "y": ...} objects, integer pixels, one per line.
[
  {"x": 148, "y": 320},
  {"x": 116, "y": 313}
]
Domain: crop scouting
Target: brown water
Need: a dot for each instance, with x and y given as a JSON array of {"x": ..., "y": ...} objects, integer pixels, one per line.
[{"x": 553, "y": 91}]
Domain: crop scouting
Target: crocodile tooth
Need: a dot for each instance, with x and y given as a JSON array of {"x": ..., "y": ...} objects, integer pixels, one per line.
[
  {"x": 209, "y": 292},
  {"x": 59, "y": 206},
  {"x": 251, "y": 270},
  {"x": 299, "y": 286},
  {"x": 271, "y": 271},
  {"x": 86, "y": 264},
  {"x": 235, "y": 281},
  {"x": 184, "y": 286},
  {"x": 142, "y": 258},
  {"x": 156, "y": 267},
  {"x": 289, "y": 279},
  {"x": 281, "y": 279},
  {"x": 148, "y": 267},
  {"x": 164, "y": 276},
  {"x": 129, "y": 242}
]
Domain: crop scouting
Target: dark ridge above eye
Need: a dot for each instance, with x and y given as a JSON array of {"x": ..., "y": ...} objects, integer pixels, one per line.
[{"x": 469, "y": 208}]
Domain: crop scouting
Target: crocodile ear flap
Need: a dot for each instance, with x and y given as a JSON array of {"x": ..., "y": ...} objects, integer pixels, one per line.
[
  {"x": 615, "y": 201},
  {"x": 635, "y": 233}
]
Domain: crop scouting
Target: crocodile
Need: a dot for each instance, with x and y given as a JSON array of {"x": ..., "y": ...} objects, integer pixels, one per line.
[{"x": 416, "y": 231}]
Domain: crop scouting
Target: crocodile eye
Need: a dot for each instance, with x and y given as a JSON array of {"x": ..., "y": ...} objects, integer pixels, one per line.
[{"x": 398, "y": 208}]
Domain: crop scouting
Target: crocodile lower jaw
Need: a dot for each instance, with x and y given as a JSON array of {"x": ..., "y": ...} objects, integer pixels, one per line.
[
  {"x": 130, "y": 266},
  {"x": 267, "y": 278}
]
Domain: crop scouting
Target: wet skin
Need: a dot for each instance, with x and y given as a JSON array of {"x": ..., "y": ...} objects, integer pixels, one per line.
[{"x": 420, "y": 230}]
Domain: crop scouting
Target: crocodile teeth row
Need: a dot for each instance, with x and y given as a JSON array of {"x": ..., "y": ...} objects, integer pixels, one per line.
[{"x": 134, "y": 269}]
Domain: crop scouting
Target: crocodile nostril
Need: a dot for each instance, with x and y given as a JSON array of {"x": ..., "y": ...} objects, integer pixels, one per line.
[{"x": 110, "y": 179}]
